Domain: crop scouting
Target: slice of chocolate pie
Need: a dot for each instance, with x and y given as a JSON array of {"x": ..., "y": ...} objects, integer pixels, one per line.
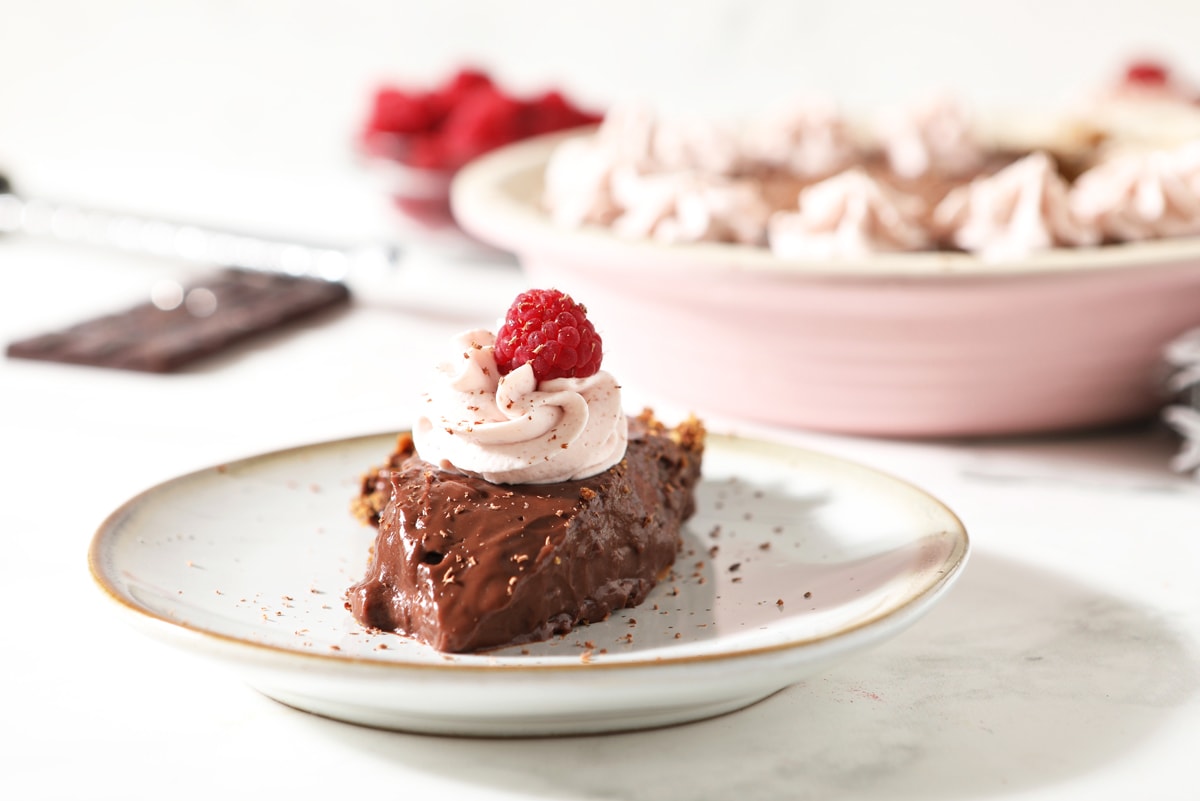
[
  {"x": 464, "y": 564},
  {"x": 524, "y": 502}
]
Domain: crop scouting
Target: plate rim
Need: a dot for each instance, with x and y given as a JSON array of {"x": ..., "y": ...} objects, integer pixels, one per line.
[{"x": 902, "y": 613}]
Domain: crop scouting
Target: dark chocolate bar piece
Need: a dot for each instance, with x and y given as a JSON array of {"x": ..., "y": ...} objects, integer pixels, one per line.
[{"x": 234, "y": 305}]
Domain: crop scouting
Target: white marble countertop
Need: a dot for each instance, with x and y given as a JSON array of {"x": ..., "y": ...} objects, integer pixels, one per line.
[{"x": 1065, "y": 664}]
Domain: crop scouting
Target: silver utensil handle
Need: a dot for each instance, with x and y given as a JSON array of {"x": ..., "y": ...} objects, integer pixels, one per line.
[{"x": 192, "y": 243}]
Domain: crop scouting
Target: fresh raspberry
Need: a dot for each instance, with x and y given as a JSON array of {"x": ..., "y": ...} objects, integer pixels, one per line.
[
  {"x": 464, "y": 82},
  {"x": 553, "y": 112},
  {"x": 551, "y": 331},
  {"x": 484, "y": 119},
  {"x": 446, "y": 97},
  {"x": 395, "y": 111},
  {"x": 426, "y": 152},
  {"x": 1147, "y": 73},
  {"x": 445, "y": 127}
]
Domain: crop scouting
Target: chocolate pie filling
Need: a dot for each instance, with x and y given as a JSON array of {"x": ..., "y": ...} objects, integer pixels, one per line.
[{"x": 466, "y": 565}]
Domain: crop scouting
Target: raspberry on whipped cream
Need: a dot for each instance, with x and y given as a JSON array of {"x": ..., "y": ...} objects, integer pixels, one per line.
[
  {"x": 847, "y": 216},
  {"x": 935, "y": 136},
  {"x": 1019, "y": 210},
  {"x": 1152, "y": 80},
  {"x": 1142, "y": 195},
  {"x": 514, "y": 429}
]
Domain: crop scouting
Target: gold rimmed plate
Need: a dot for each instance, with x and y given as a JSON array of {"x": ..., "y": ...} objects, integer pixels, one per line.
[{"x": 793, "y": 561}]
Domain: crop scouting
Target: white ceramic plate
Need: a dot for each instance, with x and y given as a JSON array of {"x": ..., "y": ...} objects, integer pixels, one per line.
[{"x": 793, "y": 560}]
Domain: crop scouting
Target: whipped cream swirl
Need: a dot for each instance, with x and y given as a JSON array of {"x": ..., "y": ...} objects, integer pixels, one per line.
[
  {"x": 1021, "y": 209},
  {"x": 578, "y": 183},
  {"x": 637, "y": 163},
  {"x": 1142, "y": 195},
  {"x": 513, "y": 429},
  {"x": 934, "y": 137},
  {"x": 809, "y": 138},
  {"x": 636, "y": 136},
  {"x": 676, "y": 207},
  {"x": 846, "y": 216}
]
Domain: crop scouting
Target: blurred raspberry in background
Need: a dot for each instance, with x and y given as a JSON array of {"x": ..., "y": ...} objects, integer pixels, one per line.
[{"x": 426, "y": 135}]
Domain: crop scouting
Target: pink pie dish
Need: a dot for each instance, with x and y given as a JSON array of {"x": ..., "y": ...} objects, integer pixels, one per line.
[{"x": 899, "y": 345}]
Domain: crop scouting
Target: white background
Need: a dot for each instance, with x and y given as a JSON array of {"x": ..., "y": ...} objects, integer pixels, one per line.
[
  {"x": 182, "y": 105},
  {"x": 1065, "y": 665}
]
